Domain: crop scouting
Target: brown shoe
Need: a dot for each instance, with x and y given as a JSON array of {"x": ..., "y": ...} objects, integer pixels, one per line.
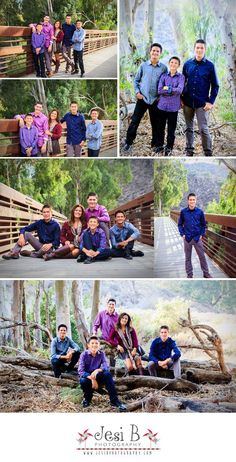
[
  {"x": 11, "y": 256},
  {"x": 25, "y": 253},
  {"x": 50, "y": 74}
]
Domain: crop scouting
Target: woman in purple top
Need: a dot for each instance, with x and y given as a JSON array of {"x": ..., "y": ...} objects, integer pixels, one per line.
[
  {"x": 29, "y": 138},
  {"x": 170, "y": 88},
  {"x": 38, "y": 48},
  {"x": 124, "y": 337}
]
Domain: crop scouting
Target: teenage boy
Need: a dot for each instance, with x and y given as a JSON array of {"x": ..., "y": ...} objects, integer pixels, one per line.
[
  {"x": 94, "y": 372},
  {"x": 164, "y": 354},
  {"x": 68, "y": 29},
  {"x": 40, "y": 121},
  {"x": 76, "y": 130},
  {"x": 192, "y": 227},
  {"x": 99, "y": 211},
  {"x": 106, "y": 320},
  {"x": 170, "y": 88},
  {"x": 48, "y": 31},
  {"x": 94, "y": 134},
  {"x": 200, "y": 92},
  {"x": 65, "y": 352},
  {"x": 78, "y": 48},
  {"x": 38, "y": 48},
  {"x": 122, "y": 235},
  {"x": 29, "y": 138},
  {"x": 48, "y": 231},
  {"x": 93, "y": 244},
  {"x": 145, "y": 87}
]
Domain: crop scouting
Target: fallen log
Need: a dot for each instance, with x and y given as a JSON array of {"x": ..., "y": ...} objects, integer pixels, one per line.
[
  {"x": 204, "y": 376},
  {"x": 30, "y": 362},
  {"x": 157, "y": 383},
  {"x": 157, "y": 403},
  {"x": 189, "y": 364}
]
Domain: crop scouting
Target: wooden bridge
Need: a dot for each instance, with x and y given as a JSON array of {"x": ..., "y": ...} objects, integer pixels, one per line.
[
  {"x": 16, "y": 54},
  {"x": 18, "y": 210},
  {"x": 10, "y": 143},
  {"x": 219, "y": 244}
]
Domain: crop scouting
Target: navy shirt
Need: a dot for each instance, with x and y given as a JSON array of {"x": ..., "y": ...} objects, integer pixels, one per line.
[
  {"x": 201, "y": 83},
  {"x": 76, "y": 128},
  {"x": 162, "y": 350},
  {"x": 48, "y": 232},
  {"x": 192, "y": 224},
  {"x": 68, "y": 30}
]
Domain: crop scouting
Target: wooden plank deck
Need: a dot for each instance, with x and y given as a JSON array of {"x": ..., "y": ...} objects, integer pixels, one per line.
[
  {"x": 29, "y": 268},
  {"x": 169, "y": 259}
]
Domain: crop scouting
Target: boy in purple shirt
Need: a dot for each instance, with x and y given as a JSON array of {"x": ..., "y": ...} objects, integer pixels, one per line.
[
  {"x": 170, "y": 88},
  {"x": 94, "y": 372},
  {"x": 99, "y": 211},
  {"x": 38, "y": 48},
  {"x": 29, "y": 138},
  {"x": 93, "y": 243},
  {"x": 49, "y": 33},
  {"x": 40, "y": 121}
]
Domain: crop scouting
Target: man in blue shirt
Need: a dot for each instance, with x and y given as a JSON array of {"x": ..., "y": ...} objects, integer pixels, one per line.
[
  {"x": 200, "y": 91},
  {"x": 192, "y": 227},
  {"x": 93, "y": 243},
  {"x": 74, "y": 122},
  {"x": 122, "y": 235},
  {"x": 48, "y": 232},
  {"x": 94, "y": 134},
  {"x": 64, "y": 352},
  {"x": 164, "y": 354},
  {"x": 146, "y": 86},
  {"x": 68, "y": 29},
  {"x": 78, "y": 47}
]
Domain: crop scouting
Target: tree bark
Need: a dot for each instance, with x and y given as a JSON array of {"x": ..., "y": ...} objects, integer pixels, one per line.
[
  {"x": 95, "y": 302},
  {"x": 62, "y": 303},
  {"x": 77, "y": 300},
  {"x": 37, "y": 316},
  {"x": 157, "y": 403},
  {"x": 17, "y": 314},
  {"x": 6, "y": 289},
  {"x": 204, "y": 376},
  {"x": 27, "y": 338},
  {"x": 157, "y": 383}
]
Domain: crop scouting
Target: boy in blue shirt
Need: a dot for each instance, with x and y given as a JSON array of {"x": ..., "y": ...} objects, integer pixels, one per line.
[
  {"x": 78, "y": 47},
  {"x": 94, "y": 134}
]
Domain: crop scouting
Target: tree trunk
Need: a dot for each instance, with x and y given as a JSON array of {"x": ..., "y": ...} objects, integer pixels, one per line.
[
  {"x": 207, "y": 376},
  {"x": 157, "y": 403},
  {"x": 77, "y": 300},
  {"x": 47, "y": 314},
  {"x": 38, "y": 92},
  {"x": 37, "y": 316},
  {"x": 17, "y": 313},
  {"x": 95, "y": 302},
  {"x": 62, "y": 303},
  {"x": 157, "y": 383},
  {"x": 5, "y": 310},
  {"x": 27, "y": 338}
]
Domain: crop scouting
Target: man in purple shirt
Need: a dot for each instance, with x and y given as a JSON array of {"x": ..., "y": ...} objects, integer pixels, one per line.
[
  {"x": 49, "y": 33},
  {"x": 94, "y": 372},
  {"x": 170, "y": 88},
  {"x": 38, "y": 48},
  {"x": 93, "y": 243},
  {"x": 29, "y": 138},
  {"x": 99, "y": 211},
  {"x": 106, "y": 320},
  {"x": 40, "y": 121}
]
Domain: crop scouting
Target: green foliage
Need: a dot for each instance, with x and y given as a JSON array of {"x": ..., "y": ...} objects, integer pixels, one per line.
[
  {"x": 72, "y": 395},
  {"x": 227, "y": 201},
  {"x": 170, "y": 184}
]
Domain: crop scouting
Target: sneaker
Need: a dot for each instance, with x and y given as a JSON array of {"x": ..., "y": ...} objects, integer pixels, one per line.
[
  {"x": 26, "y": 253},
  {"x": 159, "y": 150},
  {"x": 121, "y": 406},
  {"x": 74, "y": 72},
  {"x": 188, "y": 153},
  {"x": 127, "y": 147},
  {"x": 127, "y": 256},
  {"x": 11, "y": 256},
  {"x": 80, "y": 259},
  {"x": 137, "y": 253},
  {"x": 86, "y": 403},
  {"x": 89, "y": 260},
  {"x": 208, "y": 154},
  {"x": 207, "y": 276},
  {"x": 168, "y": 151}
]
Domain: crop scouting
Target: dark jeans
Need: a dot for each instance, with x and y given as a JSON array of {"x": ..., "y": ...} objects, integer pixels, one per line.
[
  {"x": 104, "y": 253},
  {"x": 139, "y": 111},
  {"x": 59, "y": 364},
  {"x": 93, "y": 152},
  {"x": 188, "y": 246},
  {"x": 121, "y": 252},
  {"x": 171, "y": 119},
  {"x": 103, "y": 378},
  {"x": 78, "y": 60},
  {"x": 39, "y": 64}
]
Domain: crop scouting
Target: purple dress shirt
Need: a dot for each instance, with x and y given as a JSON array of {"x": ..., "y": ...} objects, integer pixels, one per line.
[
  {"x": 170, "y": 99},
  {"x": 88, "y": 363},
  {"x": 106, "y": 322},
  {"x": 100, "y": 212},
  {"x": 48, "y": 32},
  {"x": 38, "y": 41},
  {"x": 98, "y": 239},
  {"x": 41, "y": 123},
  {"x": 29, "y": 139}
]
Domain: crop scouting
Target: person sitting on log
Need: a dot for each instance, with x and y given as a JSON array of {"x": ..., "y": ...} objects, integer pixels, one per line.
[
  {"x": 93, "y": 244},
  {"x": 94, "y": 372},
  {"x": 65, "y": 352},
  {"x": 164, "y": 354},
  {"x": 96, "y": 210},
  {"x": 124, "y": 337},
  {"x": 122, "y": 235},
  {"x": 106, "y": 320},
  {"x": 70, "y": 235},
  {"x": 48, "y": 231}
]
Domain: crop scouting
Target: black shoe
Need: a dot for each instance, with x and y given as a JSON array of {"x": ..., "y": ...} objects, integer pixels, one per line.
[
  {"x": 188, "y": 153},
  {"x": 38, "y": 75},
  {"x": 89, "y": 260},
  {"x": 80, "y": 259},
  {"x": 43, "y": 76},
  {"x": 74, "y": 72},
  {"x": 127, "y": 256},
  {"x": 208, "y": 154},
  {"x": 86, "y": 403},
  {"x": 121, "y": 406},
  {"x": 137, "y": 253},
  {"x": 168, "y": 151},
  {"x": 82, "y": 74},
  {"x": 127, "y": 147},
  {"x": 159, "y": 150}
]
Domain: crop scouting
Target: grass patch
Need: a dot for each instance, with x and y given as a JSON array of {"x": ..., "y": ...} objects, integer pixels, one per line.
[{"x": 74, "y": 395}]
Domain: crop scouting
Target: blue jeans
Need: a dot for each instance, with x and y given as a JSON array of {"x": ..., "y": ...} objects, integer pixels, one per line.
[{"x": 103, "y": 378}]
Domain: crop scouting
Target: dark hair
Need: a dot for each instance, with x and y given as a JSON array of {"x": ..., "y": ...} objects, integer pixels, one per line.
[
  {"x": 58, "y": 20},
  {"x": 46, "y": 206},
  {"x": 200, "y": 41},
  {"x": 118, "y": 325},
  {"x": 93, "y": 110},
  {"x": 164, "y": 327},
  {"x": 111, "y": 300},
  {"x": 72, "y": 217},
  {"x": 68, "y": 15},
  {"x": 58, "y": 115},
  {"x": 39, "y": 24},
  {"x": 93, "y": 337},
  {"x": 62, "y": 325},
  {"x": 78, "y": 20},
  {"x": 38, "y": 102},
  {"x": 120, "y": 211},
  {"x": 28, "y": 115},
  {"x": 175, "y": 57},
  {"x": 94, "y": 218},
  {"x": 156, "y": 45},
  {"x": 73, "y": 102},
  {"x": 91, "y": 194},
  {"x": 191, "y": 194}
]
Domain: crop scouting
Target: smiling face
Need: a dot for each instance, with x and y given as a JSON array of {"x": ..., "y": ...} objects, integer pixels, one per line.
[
  {"x": 124, "y": 320},
  {"x": 68, "y": 19},
  {"x": 38, "y": 108},
  {"x": 93, "y": 346},
  {"x": 192, "y": 200},
  {"x": 28, "y": 120},
  {"x": 39, "y": 28},
  {"x": 111, "y": 306},
  {"x": 78, "y": 24},
  {"x": 93, "y": 224},
  {"x": 174, "y": 64},
  {"x": 57, "y": 25},
  {"x": 46, "y": 19},
  {"x": 199, "y": 50},
  {"x": 53, "y": 115},
  {"x": 94, "y": 115},
  {"x": 92, "y": 202},
  {"x": 164, "y": 334},
  {"x": 74, "y": 108},
  {"x": 155, "y": 54},
  {"x": 78, "y": 213},
  {"x": 120, "y": 219},
  {"x": 47, "y": 214},
  {"x": 62, "y": 333}
]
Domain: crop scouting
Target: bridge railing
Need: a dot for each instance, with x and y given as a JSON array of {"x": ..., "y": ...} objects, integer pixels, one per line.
[
  {"x": 10, "y": 143},
  {"x": 219, "y": 241},
  {"x": 140, "y": 212},
  {"x": 17, "y": 211},
  {"x": 16, "y": 54}
]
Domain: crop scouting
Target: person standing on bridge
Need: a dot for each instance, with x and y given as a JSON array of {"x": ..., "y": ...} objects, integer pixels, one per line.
[
  {"x": 49, "y": 33},
  {"x": 123, "y": 235},
  {"x": 68, "y": 29},
  {"x": 94, "y": 134},
  {"x": 192, "y": 227},
  {"x": 40, "y": 121},
  {"x": 78, "y": 48},
  {"x": 38, "y": 48},
  {"x": 146, "y": 86},
  {"x": 57, "y": 44},
  {"x": 199, "y": 95},
  {"x": 74, "y": 122}
]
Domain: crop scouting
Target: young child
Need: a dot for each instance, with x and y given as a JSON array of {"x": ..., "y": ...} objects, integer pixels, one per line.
[
  {"x": 38, "y": 48},
  {"x": 94, "y": 371},
  {"x": 29, "y": 138},
  {"x": 93, "y": 243},
  {"x": 170, "y": 88}
]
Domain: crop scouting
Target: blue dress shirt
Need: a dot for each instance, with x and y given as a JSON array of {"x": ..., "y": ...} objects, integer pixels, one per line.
[
  {"x": 94, "y": 135},
  {"x": 146, "y": 80},
  {"x": 48, "y": 232},
  {"x": 201, "y": 83},
  {"x": 192, "y": 224},
  {"x": 160, "y": 350},
  {"x": 121, "y": 234},
  {"x": 60, "y": 348},
  {"x": 76, "y": 128}
]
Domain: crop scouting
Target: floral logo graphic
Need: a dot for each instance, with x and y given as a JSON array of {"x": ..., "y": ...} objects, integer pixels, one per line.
[
  {"x": 152, "y": 437},
  {"x": 83, "y": 437}
]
